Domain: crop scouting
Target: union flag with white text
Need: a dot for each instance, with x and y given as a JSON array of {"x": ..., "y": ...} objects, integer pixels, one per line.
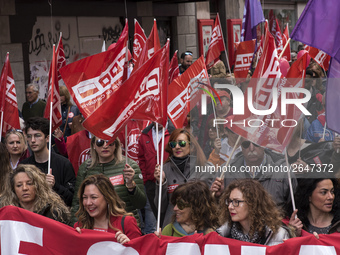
[
  {"x": 216, "y": 45},
  {"x": 8, "y": 99},
  {"x": 146, "y": 99},
  {"x": 61, "y": 60},
  {"x": 244, "y": 57},
  {"x": 92, "y": 80},
  {"x": 138, "y": 41},
  {"x": 285, "y": 37},
  {"x": 319, "y": 56}
]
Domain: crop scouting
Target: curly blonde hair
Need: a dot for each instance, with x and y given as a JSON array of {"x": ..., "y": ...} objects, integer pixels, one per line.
[
  {"x": 116, "y": 206},
  {"x": 262, "y": 208},
  {"x": 44, "y": 195},
  {"x": 199, "y": 197}
]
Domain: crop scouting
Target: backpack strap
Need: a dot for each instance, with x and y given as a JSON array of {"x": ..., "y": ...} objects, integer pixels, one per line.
[{"x": 122, "y": 223}]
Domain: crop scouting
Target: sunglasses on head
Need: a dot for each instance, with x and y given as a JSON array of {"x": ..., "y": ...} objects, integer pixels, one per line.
[
  {"x": 181, "y": 143},
  {"x": 246, "y": 144},
  {"x": 181, "y": 204},
  {"x": 14, "y": 130},
  {"x": 188, "y": 53},
  {"x": 101, "y": 142}
]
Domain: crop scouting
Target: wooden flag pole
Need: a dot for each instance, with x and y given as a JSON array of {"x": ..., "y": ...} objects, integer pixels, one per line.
[{"x": 284, "y": 48}]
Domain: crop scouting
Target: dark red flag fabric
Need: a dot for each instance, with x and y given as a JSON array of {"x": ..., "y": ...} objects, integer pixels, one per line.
[
  {"x": 146, "y": 99},
  {"x": 174, "y": 69},
  {"x": 285, "y": 37},
  {"x": 53, "y": 94},
  {"x": 25, "y": 232},
  {"x": 92, "y": 80},
  {"x": 216, "y": 45},
  {"x": 61, "y": 60},
  {"x": 183, "y": 93},
  {"x": 8, "y": 99},
  {"x": 138, "y": 41},
  {"x": 244, "y": 56}
]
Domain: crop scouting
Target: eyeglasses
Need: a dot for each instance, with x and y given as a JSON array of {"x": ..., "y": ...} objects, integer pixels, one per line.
[
  {"x": 101, "y": 142},
  {"x": 235, "y": 202},
  {"x": 14, "y": 130},
  {"x": 246, "y": 144},
  {"x": 181, "y": 143},
  {"x": 181, "y": 204}
]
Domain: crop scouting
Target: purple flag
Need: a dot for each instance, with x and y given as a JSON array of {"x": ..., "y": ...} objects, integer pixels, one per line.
[
  {"x": 333, "y": 96},
  {"x": 252, "y": 16},
  {"x": 319, "y": 26}
]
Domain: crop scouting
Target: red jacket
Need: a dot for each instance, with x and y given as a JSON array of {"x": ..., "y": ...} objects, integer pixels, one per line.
[{"x": 147, "y": 154}]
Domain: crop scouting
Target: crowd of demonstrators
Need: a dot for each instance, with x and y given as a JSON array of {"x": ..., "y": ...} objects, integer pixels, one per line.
[
  {"x": 249, "y": 214},
  {"x": 61, "y": 176},
  {"x": 185, "y": 155},
  {"x": 16, "y": 145},
  {"x": 101, "y": 209},
  {"x": 194, "y": 210},
  {"x": 33, "y": 107},
  {"x": 127, "y": 178},
  {"x": 27, "y": 188}
]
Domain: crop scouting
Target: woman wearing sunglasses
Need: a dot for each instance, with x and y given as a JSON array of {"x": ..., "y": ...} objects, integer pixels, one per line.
[
  {"x": 194, "y": 211},
  {"x": 185, "y": 155},
  {"x": 249, "y": 214},
  {"x": 101, "y": 209},
  {"x": 127, "y": 179},
  {"x": 17, "y": 146}
]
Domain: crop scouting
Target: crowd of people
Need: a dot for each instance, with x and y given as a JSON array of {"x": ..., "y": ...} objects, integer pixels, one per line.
[{"x": 107, "y": 191}]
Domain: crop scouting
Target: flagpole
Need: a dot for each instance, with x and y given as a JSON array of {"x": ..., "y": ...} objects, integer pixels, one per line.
[
  {"x": 284, "y": 48},
  {"x": 324, "y": 130},
  {"x": 160, "y": 184},
  {"x": 290, "y": 181},
  {"x": 156, "y": 145},
  {"x": 51, "y": 109},
  {"x": 126, "y": 145},
  {"x": 215, "y": 118}
]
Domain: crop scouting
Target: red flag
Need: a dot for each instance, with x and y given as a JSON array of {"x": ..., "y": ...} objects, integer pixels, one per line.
[
  {"x": 319, "y": 56},
  {"x": 216, "y": 45},
  {"x": 8, "y": 99},
  {"x": 278, "y": 38},
  {"x": 61, "y": 60},
  {"x": 146, "y": 99},
  {"x": 285, "y": 38},
  {"x": 174, "y": 69},
  {"x": 53, "y": 92},
  {"x": 266, "y": 129},
  {"x": 151, "y": 46},
  {"x": 138, "y": 41},
  {"x": 183, "y": 93},
  {"x": 92, "y": 80},
  {"x": 244, "y": 56}
]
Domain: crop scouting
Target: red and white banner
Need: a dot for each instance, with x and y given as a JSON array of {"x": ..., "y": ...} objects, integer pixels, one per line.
[
  {"x": 319, "y": 56},
  {"x": 92, "y": 80},
  {"x": 183, "y": 93},
  {"x": 53, "y": 94},
  {"x": 61, "y": 60},
  {"x": 285, "y": 37},
  {"x": 173, "y": 69},
  {"x": 8, "y": 99},
  {"x": 146, "y": 99},
  {"x": 244, "y": 57},
  {"x": 278, "y": 38},
  {"x": 24, "y": 232},
  {"x": 216, "y": 45},
  {"x": 138, "y": 41},
  {"x": 264, "y": 121},
  {"x": 152, "y": 45}
]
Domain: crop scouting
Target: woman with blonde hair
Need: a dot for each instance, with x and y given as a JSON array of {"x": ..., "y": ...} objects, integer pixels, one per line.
[
  {"x": 101, "y": 209},
  {"x": 248, "y": 213},
  {"x": 106, "y": 158},
  {"x": 16, "y": 145},
  {"x": 29, "y": 189}
]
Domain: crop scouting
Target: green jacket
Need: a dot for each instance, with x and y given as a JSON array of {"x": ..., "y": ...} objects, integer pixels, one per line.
[
  {"x": 133, "y": 200},
  {"x": 171, "y": 230}
]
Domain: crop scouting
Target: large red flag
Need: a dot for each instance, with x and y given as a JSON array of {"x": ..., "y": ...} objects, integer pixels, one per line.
[
  {"x": 173, "y": 69},
  {"x": 216, "y": 45},
  {"x": 319, "y": 56},
  {"x": 244, "y": 56},
  {"x": 8, "y": 99},
  {"x": 138, "y": 41},
  {"x": 278, "y": 38},
  {"x": 92, "y": 80},
  {"x": 285, "y": 37},
  {"x": 184, "y": 92},
  {"x": 151, "y": 46},
  {"x": 268, "y": 128},
  {"x": 61, "y": 60},
  {"x": 53, "y": 95},
  {"x": 146, "y": 99}
]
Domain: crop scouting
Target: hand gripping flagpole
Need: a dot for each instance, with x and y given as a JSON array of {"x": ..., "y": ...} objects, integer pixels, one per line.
[
  {"x": 160, "y": 184},
  {"x": 51, "y": 109}
]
